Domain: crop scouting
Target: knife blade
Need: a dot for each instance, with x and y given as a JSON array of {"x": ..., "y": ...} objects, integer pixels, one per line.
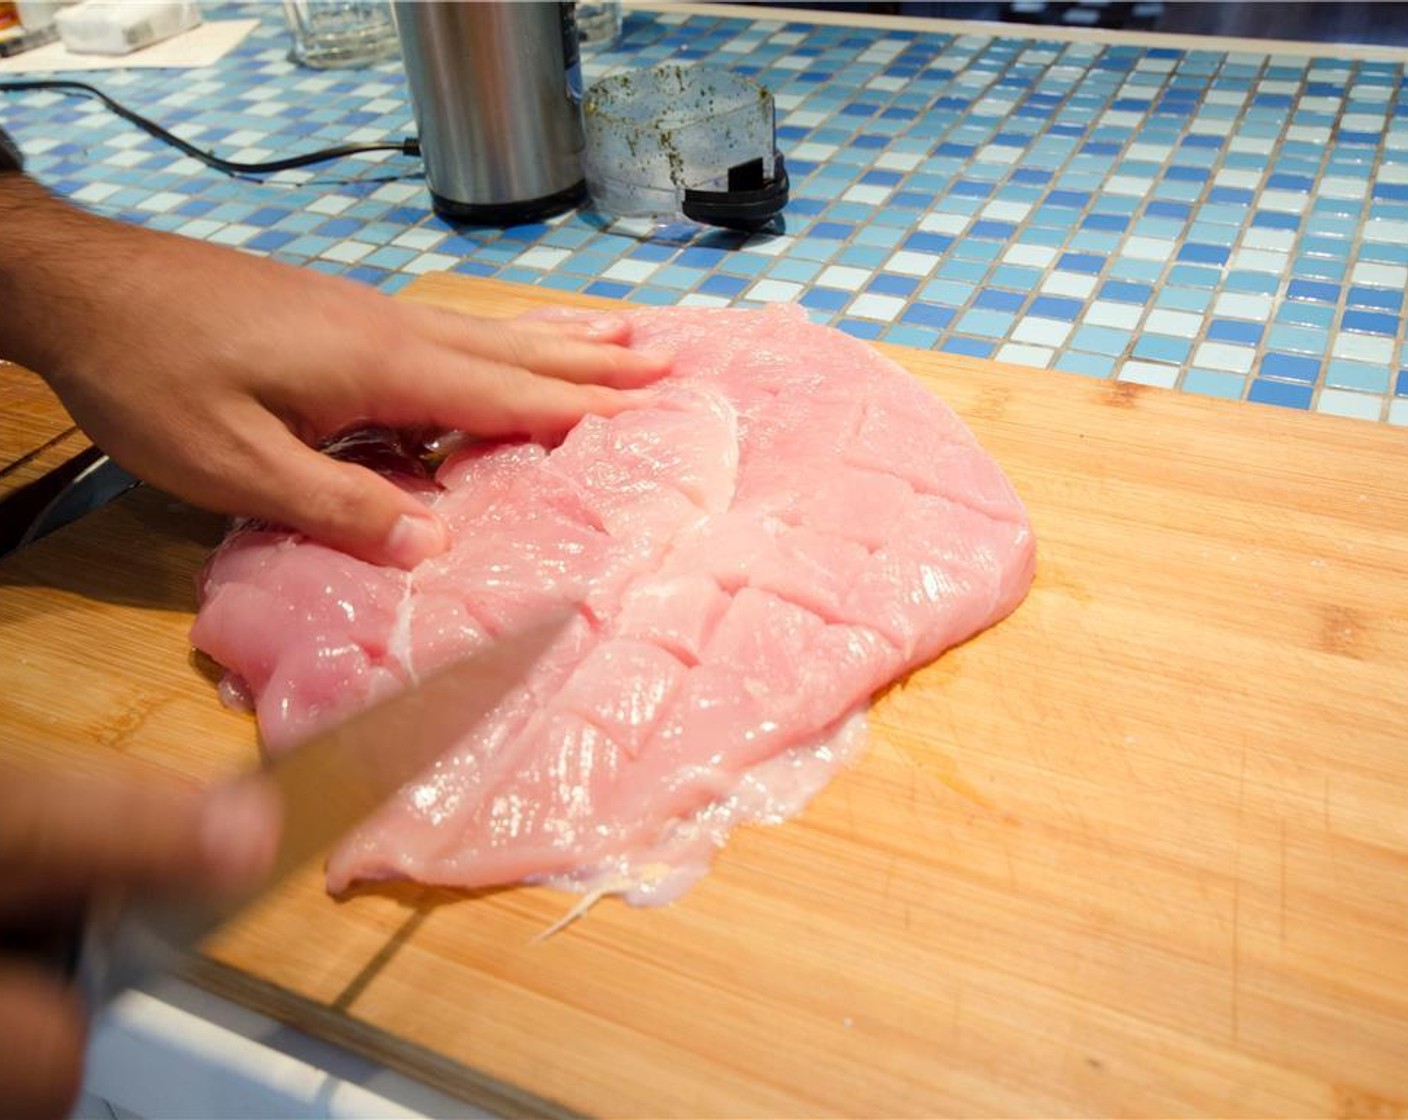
[{"x": 326, "y": 785}]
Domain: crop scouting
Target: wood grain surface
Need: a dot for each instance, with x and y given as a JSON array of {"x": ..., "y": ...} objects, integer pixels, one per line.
[
  {"x": 1140, "y": 850},
  {"x": 36, "y": 435}
]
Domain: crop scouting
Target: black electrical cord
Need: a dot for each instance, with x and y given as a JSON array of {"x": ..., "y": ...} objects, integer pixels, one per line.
[{"x": 408, "y": 147}]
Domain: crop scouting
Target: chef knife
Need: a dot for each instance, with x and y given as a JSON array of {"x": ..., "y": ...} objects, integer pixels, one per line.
[{"x": 326, "y": 786}]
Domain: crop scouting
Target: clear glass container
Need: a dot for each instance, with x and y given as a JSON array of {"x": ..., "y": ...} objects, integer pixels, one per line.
[{"x": 338, "y": 34}]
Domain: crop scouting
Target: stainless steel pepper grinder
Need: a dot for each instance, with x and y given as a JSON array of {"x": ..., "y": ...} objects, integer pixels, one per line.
[{"x": 497, "y": 91}]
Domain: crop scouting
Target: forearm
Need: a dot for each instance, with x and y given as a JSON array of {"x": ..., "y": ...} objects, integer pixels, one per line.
[{"x": 52, "y": 260}]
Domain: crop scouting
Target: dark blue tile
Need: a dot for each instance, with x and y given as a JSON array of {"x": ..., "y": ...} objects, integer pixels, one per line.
[
  {"x": 968, "y": 347},
  {"x": 870, "y": 140},
  {"x": 1400, "y": 386},
  {"x": 807, "y": 206},
  {"x": 1100, "y": 148},
  {"x": 992, "y": 231},
  {"x": 888, "y": 284},
  {"x": 928, "y": 242},
  {"x": 1125, "y": 291},
  {"x": 881, "y": 178},
  {"x": 1234, "y": 330},
  {"x": 1371, "y": 322},
  {"x": 1201, "y": 140},
  {"x": 861, "y": 328},
  {"x": 1056, "y": 307},
  {"x": 367, "y": 274},
  {"x": 1181, "y": 174},
  {"x": 1380, "y": 298},
  {"x": 1280, "y": 393},
  {"x": 733, "y": 285},
  {"x": 832, "y": 231},
  {"x": 1313, "y": 289},
  {"x": 1300, "y": 183},
  {"x": 1273, "y": 219},
  {"x": 1396, "y": 192},
  {"x": 927, "y": 315},
  {"x": 609, "y": 289},
  {"x": 269, "y": 240},
  {"x": 820, "y": 299},
  {"x": 1031, "y": 175},
  {"x": 195, "y": 208},
  {"x": 1131, "y": 105},
  {"x": 993, "y": 299},
  {"x": 267, "y": 216},
  {"x": 1273, "y": 101},
  {"x": 955, "y": 151},
  {"x": 1200, "y": 253},
  {"x": 898, "y": 113},
  {"x": 1293, "y": 367},
  {"x": 405, "y": 215},
  {"x": 1363, "y": 140},
  {"x": 1116, "y": 223},
  {"x": 1081, "y": 262}
]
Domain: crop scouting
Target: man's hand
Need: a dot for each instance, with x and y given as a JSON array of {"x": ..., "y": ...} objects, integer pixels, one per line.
[
  {"x": 209, "y": 372},
  {"x": 65, "y": 839}
]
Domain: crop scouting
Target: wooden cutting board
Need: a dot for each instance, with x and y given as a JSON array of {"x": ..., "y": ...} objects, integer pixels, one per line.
[{"x": 1142, "y": 849}]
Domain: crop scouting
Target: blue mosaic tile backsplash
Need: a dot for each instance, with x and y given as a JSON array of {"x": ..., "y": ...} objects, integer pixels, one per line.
[{"x": 1234, "y": 225}]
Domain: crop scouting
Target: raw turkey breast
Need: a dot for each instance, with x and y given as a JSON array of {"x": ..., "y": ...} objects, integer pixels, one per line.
[{"x": 791, "y": 523}]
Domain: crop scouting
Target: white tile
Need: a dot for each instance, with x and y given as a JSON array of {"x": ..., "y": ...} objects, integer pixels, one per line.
[
  {"x": 1038, "y": 256},
  {"x": 95, "y": 192},
  {"x": 1104, "y": 313},
  {"x": 1273, "y": 85},
  {"x": 698, "y": 299},
  {"x": 1042, "y": 332},
  {"x": 1237, "y": 177},
  {"x": 396, "y": 192},
  {"x": 1364, "y": 348},
  {"x": 1321, "y": 104},
  {"x": 630, "y": 271},
  {"x": 869, "y": 193},
  {"x": 1398, "y": 412},
  {"x": 1238, "y": 306},
  {"x": 419, "y": 239},
  {"x": 1038, "y": 356},
  {"x": 872, "y": 306},
  {"x": 1392, "y": 173},
  {"x": 1222, "y": 355},
  {"x": 1003, "y": 211},
  {"x": 541, "y": 257},
  {"x": 1277, "y": 240},
  {"x": 1332, "y": 186},
  {"x": 909, "y": 263},
  {"x": 768, "y": 245},
  {"x": 944, "y": 223},
  {"x": 1260, "y": 144},
  {"x": 430, "y": 262},
  {"x": 349, "y": 252},
  {"x": 1224, "y": 97},
  {"x": 812, "y": 150},
  {"x": 1149, "y": 373},
  {"x": 1259, "y": 260},
  {"x": 843, "y": 277},
  {"x": 1117, "y": 118},
  {"x": 331, "y": 203},
  {"x": 803, "y": 118},
  {"x": 1068, "y": 284},
  {"x": 774, "y": 291},
  {"x": 1362, "y": 122},
  {"x": 899, "y": 161},
  {"x": 1342, "y": 402},
  {"x": 1129, "y": 184},
  {"x": 1148, "y": 248},
  {"x": 1381, "y": 275},
  {"x": 889, "y": 85},
  {"x": 200, "y": 227},
  {"x": 1394, "y": 233},
  {"x": 1288, "y": 202},
  {"x": 1156, "y": 153},
  {"x": 1181, "y": 324},
  {"x": 997, "y": 153}
]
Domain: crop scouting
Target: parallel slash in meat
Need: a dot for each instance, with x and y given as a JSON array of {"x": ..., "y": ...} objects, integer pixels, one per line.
[{"x": 789, "y": 524}]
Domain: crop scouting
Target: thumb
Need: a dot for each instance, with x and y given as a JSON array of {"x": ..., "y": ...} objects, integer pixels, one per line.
[{"x": 346, "y": 506}]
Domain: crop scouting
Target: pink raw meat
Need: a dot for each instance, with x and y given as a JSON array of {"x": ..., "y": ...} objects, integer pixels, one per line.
[{"x": 790, "y": 524}]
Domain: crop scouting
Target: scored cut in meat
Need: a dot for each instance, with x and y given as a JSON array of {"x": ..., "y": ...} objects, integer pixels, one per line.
[{"x": 788, "y": 524}]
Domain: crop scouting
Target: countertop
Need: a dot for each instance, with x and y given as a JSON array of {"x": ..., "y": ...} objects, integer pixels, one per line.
[{"x": 1214, "y": 216}]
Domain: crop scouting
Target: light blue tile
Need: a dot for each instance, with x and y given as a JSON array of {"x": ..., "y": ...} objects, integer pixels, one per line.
[
  {"x": 1183, "y": 299},
  {"x": 1090, "y": 365},
  {"x": 970, "y": 272},
  {"x": 1015, "y": 277},
  {"x": 1100, "y": 340},
  {"x": 1210, "y": 383},
  {"x": 1343, "y": 374},
  {"x": 1162, "y": 348},
  {"x": 951, "y": 293},
  {"x": 1301, "y": 340},
  {"x": 985, "y": 324}
]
